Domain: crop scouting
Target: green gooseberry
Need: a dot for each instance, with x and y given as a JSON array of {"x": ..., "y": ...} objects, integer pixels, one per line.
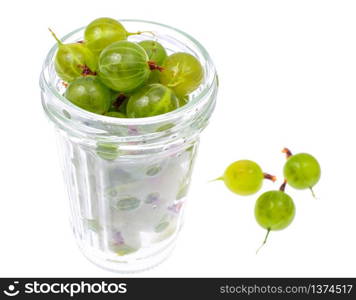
[
  {"x": 155, "y": 51},
  {"x": 244, "y": 177},
  {"x": 302, "y": 170},
  {"x": 151, "y": 100},
  {"x": 182, "y": 72},
  {"x": 90, "y": 94},
  {"x": 73, "y": 60},
  {"x": 124, "y": 66},
  {"x": 102, "y": 32}
]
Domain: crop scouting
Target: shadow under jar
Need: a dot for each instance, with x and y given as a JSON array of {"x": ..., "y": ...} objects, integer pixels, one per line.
[{"x": 127, "y": 179}]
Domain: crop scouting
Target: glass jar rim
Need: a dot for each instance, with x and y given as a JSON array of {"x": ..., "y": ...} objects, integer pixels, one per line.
[{"x": 208, "y": 84}]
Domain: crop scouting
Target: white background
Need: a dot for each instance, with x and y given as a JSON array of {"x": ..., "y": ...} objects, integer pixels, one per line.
[{"x": 287, "y": 78}]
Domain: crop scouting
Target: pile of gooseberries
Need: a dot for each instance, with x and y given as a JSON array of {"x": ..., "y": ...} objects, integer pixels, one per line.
[
  {"x": 274, "y": 209},
  {"x": 109, "y": 75}
]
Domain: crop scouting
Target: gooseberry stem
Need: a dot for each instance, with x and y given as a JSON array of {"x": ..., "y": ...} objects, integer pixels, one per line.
[
  {"x": 154, "y": 66},
  {"x": 269, "y": 177},
  {"x": 54, "y": 35},
  {"x": 282, "y": 188},
  {"x": 312, "y": 191},
  {"x": 140, "y": 32},
  {"x": 287, "y": 152},
  {"x": 216, "y": 179},
  {"x": 264, "y": 241}
]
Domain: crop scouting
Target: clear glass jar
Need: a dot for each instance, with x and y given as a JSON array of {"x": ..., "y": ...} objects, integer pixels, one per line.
[{"x": 127, "y": 179}]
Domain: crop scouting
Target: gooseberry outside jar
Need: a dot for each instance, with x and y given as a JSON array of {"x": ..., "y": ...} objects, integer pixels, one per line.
[{"x": 128, "y": 179}]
